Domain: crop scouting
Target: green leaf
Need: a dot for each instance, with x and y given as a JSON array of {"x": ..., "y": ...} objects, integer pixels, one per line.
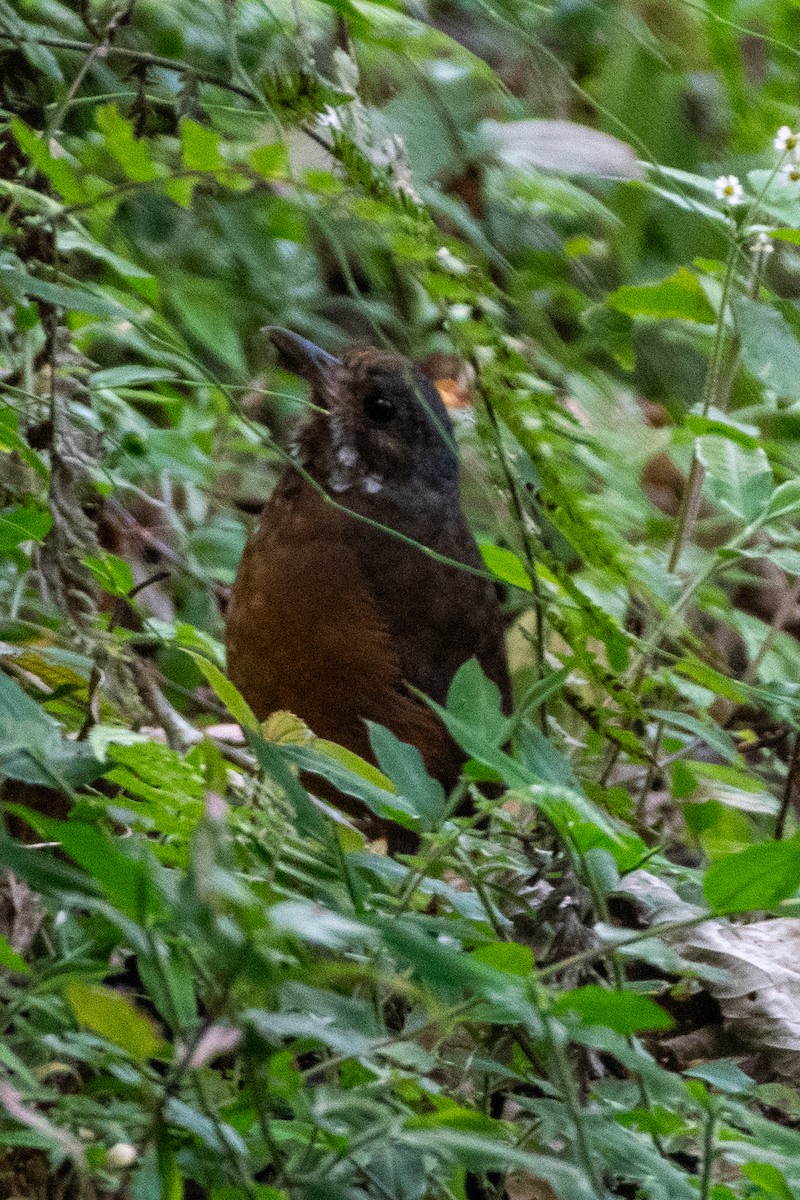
[
  {"x": 404, "y": 766},
  {"x": 681, "y": 296},
  {"x": 507, "y": 956},
  {"x": 53, "y": 165},
  {"x": 272, "y": 761},
  {"x": 738, "y": 480},
  {"x": 113, "y": 1016},
  {"x": 724, "y": 1074},
  {"x": 448, "y": 970},
  {"x": 479, "y": 1153},
  {"x": 505, "y": 565},
  {"x": 10, "y": 959},
  {"x": 624, "y": 1012},
  {"x": 73, "y": 299},
  {"x": 385, "y": 804},
  {"x": 112, "y": 573},
  {"x": 787, "y": 560},
  {"x": 218, "y": 1136},
  {"x": 474, "y": 699},
  {"x": 130, "y": 152},
  {"x": 715, "y": 681},
  {"x": 75, "y": 239},
  {"x": 126, "y": 880},
  {"x": 540, "y": 691},
  {"x": 354, "y": 762},
  {"x": 718, "y": 422},
  {"x": 212, "y": 323},
  {"x": 26, "y": 523},
  {"x": 784, "y": 501},
  {"x": 712, "y": 735},
  {"x": 201, "y": 147},
  {"x": 31, "y": 748},
  {"x": 44, "y": 872},
  {"x": 769, "y": 1179},
  {"x": 271, "y": 162},
  {"x": 758, "y": 877},
  {"x": 131, "y": 375},
  {"x": 180, "y": 190},
  {"x": 769, "y": 347},
  {"x": 225, "y": 691}
]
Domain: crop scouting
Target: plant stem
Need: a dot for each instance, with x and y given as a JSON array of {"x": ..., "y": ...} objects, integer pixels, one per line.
[
  {"x": 788, "y": 788},
  {"x": 708, "y": 1154},
  {"x": 720, "y": 352}
]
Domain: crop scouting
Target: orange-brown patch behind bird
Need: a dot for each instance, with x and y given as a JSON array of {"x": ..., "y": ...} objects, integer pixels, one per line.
[{"x": 331, "y": 616}]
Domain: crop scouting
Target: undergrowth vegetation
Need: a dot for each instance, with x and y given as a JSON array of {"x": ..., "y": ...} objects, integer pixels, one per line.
[{"x": 210, "y": 985}]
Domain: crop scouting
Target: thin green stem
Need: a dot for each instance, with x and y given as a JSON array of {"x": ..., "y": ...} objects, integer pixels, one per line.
[
  {"x": 708, "y": 1154},
  {"x": 562, "y": 1069},
  {"x": 690, "y": 502}
]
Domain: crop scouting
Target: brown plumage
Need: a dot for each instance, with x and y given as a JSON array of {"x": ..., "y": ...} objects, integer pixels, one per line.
[{"x": 332, "y": 617}]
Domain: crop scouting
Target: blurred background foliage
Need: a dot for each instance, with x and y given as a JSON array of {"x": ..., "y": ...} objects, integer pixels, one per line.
[{"x": 523, "y": 194}]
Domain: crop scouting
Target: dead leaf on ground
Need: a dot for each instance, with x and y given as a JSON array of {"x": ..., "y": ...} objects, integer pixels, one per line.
[{"x": 759, "y": 993}]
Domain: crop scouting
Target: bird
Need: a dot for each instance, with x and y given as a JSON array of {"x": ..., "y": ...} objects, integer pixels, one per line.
[{"x": 352, "y": 597}]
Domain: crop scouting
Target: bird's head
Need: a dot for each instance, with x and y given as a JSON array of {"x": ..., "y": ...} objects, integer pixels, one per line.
[{"x": 377, "y": 427}]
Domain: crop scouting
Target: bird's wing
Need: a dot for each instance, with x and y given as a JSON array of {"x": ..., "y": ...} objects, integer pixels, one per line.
[{"x": 304, "y": 633}]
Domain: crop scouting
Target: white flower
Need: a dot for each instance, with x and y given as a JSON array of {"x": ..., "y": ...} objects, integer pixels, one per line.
[
  {"x": 121, "y": 1155},
  {"x": 450, "y": 263},
  {"x": 790, "y": 172},
  {"x": 762, "y": 245},
  {"x": 728, "y": 188},
  {"x": 786, "y": 140},
  {"x": 330, "y": 118}
]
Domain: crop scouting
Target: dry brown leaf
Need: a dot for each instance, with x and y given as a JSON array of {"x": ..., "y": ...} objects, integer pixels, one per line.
[{"x": 759, "y": 995}]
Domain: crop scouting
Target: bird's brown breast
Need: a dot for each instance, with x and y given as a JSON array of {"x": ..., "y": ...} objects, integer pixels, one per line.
[{"x": 332, "y": 620}]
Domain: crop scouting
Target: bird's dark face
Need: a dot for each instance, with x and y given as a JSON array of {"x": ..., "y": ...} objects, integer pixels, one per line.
[{"x": 379, "y": 428}]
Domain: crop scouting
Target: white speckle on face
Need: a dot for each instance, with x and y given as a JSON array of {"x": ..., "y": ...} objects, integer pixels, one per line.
[
  {"x": 372, "y": 484},
  {"x": 346, "y": 456},
  {"x": 339, "y": 482}
]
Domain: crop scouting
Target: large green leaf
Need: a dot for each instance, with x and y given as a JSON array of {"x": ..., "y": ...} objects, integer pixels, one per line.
[
  {"x": 759, "y": 877},
  {"x": 679, "y": 297},
  {"x": 31, "y": 746},
  {"x": 404, "y": 766},
  {"x": 769, "y": 347},
  {"x": 625, "y": 1012},
  {"x": 739, "y": 480}
]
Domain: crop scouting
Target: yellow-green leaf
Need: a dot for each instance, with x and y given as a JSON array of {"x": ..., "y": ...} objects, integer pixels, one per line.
[
  {"x": 225, "y": 691},
  {"x": 200, "y": 147},
  {"x": 114, "y": 1017},
  {"x": 505, "y": 565}
]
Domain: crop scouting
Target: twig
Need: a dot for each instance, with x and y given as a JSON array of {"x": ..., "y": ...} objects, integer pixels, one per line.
[
  {"x": 777, "y": 624},
  {"x": 788, "y": 788},
  {"x": 519, "y": 514},
  {"x": 97, "y": 675},
  {"x": 181, "y": 734}
]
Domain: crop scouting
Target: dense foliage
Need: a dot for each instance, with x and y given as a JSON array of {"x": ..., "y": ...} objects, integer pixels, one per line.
[{"x": 210, "y": 987}]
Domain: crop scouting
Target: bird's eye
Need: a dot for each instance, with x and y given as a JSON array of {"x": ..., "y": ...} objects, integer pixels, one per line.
[{"x": 378, "y": 408}]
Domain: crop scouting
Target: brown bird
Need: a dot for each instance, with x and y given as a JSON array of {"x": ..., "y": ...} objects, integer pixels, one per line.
[{"x": 333, "y": 616}]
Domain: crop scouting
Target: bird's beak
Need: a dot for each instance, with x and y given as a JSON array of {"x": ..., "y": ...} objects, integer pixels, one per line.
[{"x": 297, "y": 354}]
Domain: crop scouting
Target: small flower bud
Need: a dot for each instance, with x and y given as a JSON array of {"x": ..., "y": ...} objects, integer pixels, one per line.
[
  {"x": 121, "y": 1155},
  {"x": 451, "y": 264}
]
